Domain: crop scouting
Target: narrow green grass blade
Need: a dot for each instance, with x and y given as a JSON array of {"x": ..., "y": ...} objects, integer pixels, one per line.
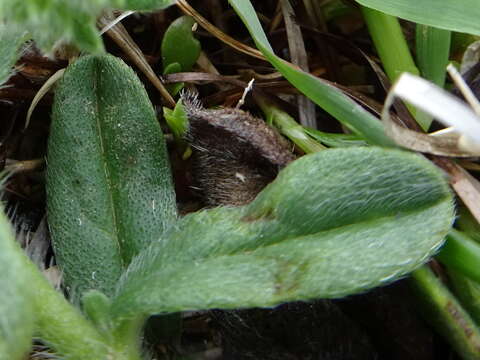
[
  {"x": 390, "y": 43},
  {"x": 394, "y": 53},
  {"x": 324, "y": 95},
  {"x": 467, "y": 291},
  {"x": 333, "y": 223},
  {"x": 461, "y": 254},
  {"x": 455, "y": 15},
  {"x": 433, "y": 49}
]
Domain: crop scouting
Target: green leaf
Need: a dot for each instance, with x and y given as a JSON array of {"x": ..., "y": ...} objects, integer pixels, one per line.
[
  {"x": 16, "y": 297},
  {"x": 177, "y": 120},
  {"x": 109, "y": 188},
  {"x": 433, "y": 49},
  {"x": 333, "y": 223},
  {"x": 11, "y": 39},
  {"x": 147, "y": 4},
  {"x": 319, "y": 91},
  {"x": 56, "y": 20},
  {"x": 442, "y": 310},
  {"x": 335, "y": 140},
  {"x": 74, "y": 22},
  {"x": 173, "y": 68},
  {"x": 462, "y": 254},
  {"x": 179, "y": 45},
  {"x": 467, "y": 291},
  {"x": 390, "y": 43},
  {"x": 30, "y": 306},
  {"x": 96, "y": 306},
  {"x": 455, "y": 15}
]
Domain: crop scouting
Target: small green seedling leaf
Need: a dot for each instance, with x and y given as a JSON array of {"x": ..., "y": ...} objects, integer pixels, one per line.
[
  {"x": 173, "y": 68},
  {"x": 333, "y": 223},
  {"x": 177, "y": 120},
  {"x": 16, "y": 297},
  {"x": 179, "y": 45},
  {"x": 180, "y": 49},
  {"x": 96, "y": 306},
  {"x": 109, "y": 188}
]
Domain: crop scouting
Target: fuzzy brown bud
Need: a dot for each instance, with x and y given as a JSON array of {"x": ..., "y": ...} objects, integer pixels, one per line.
[{"x": 235, "y": 154}]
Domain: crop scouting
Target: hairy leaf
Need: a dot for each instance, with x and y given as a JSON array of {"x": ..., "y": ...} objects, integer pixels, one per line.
[
  {"x": 51, "y": 21},
  {"x": 11, "y": 39},
  {"x": 332, "y": 224},
  {"x": 30, "y": 306},
  {"x": 456, "y": 15},
  {"x": 109, "y": 189},
  {"x": 16, "y": 297}
]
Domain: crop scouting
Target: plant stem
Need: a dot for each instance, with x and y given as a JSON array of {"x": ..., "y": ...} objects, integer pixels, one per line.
[
  {"x": 288, "y": 126},
  {"x": 127, "y": 337},
  {"x": 390, "y": 43},
  {"x": 462, "y": 254},
  {"x": 468, "y": 292},
  {"x": 393, "y": 50},
  {"x": 64, "y": 328},
  {"x": 433, "y": 49},
  {"x": 443, "y": 311}
]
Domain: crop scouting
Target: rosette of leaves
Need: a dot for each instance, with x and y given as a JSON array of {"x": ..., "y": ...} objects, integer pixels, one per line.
[{"x": 333, "y": 223}]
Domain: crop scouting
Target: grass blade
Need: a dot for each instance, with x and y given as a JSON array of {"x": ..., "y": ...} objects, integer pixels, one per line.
[
  {"x": 458, "y": 15},
  {"x": 324, "y": 95}
]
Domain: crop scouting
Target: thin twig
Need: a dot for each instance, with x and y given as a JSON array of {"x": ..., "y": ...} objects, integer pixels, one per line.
[{"x": 187, "y": 9}]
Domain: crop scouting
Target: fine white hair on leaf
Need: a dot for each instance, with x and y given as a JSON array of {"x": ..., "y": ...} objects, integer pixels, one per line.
[{"x": 191, "y": 101}]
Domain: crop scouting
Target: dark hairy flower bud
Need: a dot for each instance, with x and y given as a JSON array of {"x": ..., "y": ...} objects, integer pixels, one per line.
[{"x": 235, "y": 154}]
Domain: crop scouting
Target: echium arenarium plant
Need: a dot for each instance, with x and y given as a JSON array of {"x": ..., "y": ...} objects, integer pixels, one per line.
[{"x": 333, "y": 223}]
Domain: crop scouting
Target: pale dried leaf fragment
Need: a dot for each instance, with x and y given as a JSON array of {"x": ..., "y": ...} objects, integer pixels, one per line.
[{"x": 464, "y": 142}]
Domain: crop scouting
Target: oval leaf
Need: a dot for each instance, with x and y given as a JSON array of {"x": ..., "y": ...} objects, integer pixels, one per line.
[
  {"x": 109, "y": 187},
  {"x": 333, "y": 223},
  {"x": 179, "y": 45}
]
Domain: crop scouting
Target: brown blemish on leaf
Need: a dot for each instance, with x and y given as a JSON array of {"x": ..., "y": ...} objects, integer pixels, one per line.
[
  {"x": 459, "y": 319},
  {"x": 266, "y": 215}
]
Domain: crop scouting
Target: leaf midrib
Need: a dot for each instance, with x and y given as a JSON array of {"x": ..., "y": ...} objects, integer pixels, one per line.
[{"x": 104, "y": 156}]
